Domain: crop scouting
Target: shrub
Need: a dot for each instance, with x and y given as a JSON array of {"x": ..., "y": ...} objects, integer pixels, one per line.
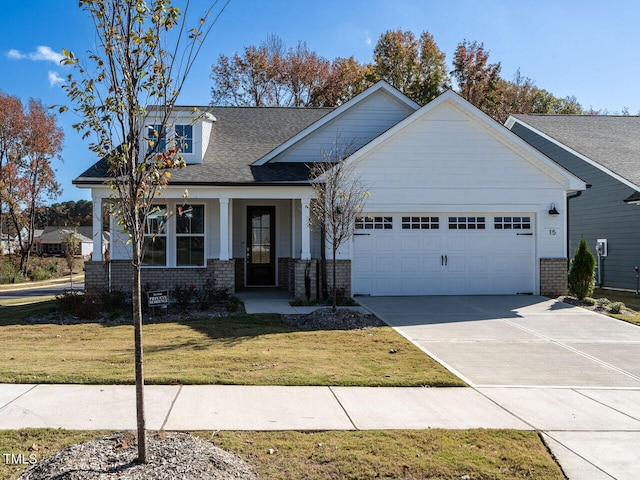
[
  {"x": 9, "y": 270},
  {"x": 232, "y": 304},
  {"x": 616, "y": 307},
  {"x": 603, "y": 302},
  {"x": 184, "y": 295},
  {"x": 589, "y": 301},
  {"x": 581, "y": 272},
  {"x": 77, "y": 304},
  {"x": 38, "y": 274}
]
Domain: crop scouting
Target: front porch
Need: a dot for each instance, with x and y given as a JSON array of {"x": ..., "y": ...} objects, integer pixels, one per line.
[{"x": 255, "y": 238}]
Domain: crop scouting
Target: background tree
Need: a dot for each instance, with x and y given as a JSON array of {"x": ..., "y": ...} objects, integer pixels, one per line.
[
  {"x": 11, "y": 120},
  {"x": 416, "y": 67},
  {"x": 478, "y": 80},
  {"x": 272, "y": 75},
  {"x": 141, "y": 64},
  {"x": 340, "y": 198},
  {"x": 28, "y": 180},
  {"x": 581, "y": 272},
  {"x": 70, "y": 243},
  {"x": 66, "y": 214}
]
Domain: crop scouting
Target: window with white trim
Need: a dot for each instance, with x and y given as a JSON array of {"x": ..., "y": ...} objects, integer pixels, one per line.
[
  {"x": 190, "y": 235},
  {"x": 467, "y": 223},
  {"x": 155, "y": 237},
  {"x": 420, "y": 223},
  {"x": 155, "y": 134},
  {"x": 374, "y": 223},
  {"x": 512, "y": 223},
  {"x": 184, "y": 138}
]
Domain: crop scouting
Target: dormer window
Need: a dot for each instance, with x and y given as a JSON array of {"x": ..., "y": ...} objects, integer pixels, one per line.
[
  {"x": 156, "y": 133},
  {"x": 184, "y": 138},
  {"x": 182, "y": 135}
]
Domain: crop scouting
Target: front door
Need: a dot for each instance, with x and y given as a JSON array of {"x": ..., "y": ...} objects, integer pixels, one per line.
[{"x": 261, "y": 248}]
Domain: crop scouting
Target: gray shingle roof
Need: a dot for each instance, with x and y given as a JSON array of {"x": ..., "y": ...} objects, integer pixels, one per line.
[
  {"x": 239, "y": 137},
  {"x": 611, "y": 141}
]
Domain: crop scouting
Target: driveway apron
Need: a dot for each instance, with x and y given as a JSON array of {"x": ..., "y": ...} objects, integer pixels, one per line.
[
  {"x": 517, "y": 340},
  {"x": 566, "y": 371}
]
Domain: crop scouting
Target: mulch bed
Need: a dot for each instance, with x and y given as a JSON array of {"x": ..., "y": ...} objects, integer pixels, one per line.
[
  {"x": 326, "y": 319},
  {"x": 170, "y": 455}
]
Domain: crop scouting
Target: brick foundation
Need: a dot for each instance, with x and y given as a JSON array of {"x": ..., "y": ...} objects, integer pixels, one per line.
[
  {"x": 553, "y": 277},
  {"x": 97, "y": 276}
]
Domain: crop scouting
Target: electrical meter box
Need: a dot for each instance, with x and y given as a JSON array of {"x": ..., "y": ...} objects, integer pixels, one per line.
[{"x": 601, "y": 247}]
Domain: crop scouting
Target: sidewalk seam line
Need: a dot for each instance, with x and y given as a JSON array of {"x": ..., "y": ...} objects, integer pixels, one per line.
[
  {"x": 605, "y": 405},
  {"x": 173, "y": 403},
  {"x": 18, "y": 397},
  {"x": 343, "y": 408},
  {"x": 576, "y": 454}
]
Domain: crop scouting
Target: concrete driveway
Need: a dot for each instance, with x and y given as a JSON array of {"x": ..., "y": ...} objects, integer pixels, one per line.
[
  {"x": 570, "y": 373},
  {"x": 517, "y": 340}
]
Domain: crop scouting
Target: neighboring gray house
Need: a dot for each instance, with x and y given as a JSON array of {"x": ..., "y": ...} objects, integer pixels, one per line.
[
  {"x": 603, "y": 151},
  {"x": 458, "y": 204},
  {"x": 51, "y": 240}
]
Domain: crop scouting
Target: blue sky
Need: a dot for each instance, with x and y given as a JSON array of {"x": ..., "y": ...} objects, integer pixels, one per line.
[{"x": 586, "y": 48}]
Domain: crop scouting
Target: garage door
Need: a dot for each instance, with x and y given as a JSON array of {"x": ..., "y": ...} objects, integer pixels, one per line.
[{"x": 452, "y": 254}]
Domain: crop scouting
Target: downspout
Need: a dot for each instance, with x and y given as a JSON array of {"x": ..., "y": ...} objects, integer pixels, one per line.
[{"x": 570, "y": 197}]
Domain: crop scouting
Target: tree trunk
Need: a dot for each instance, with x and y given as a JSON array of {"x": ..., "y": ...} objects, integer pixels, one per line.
[
  {"x": 137, "y": 332},
  {"x": 334, "y": 292}
]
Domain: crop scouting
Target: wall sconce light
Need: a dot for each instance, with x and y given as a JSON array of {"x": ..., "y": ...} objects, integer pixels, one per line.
[{"x": 553, "y": 211}]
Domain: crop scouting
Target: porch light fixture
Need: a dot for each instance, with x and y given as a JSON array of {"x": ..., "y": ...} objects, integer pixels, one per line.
[{"x": 553, "y": 211}]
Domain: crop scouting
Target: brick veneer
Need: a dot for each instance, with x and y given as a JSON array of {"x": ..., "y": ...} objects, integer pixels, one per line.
[
  {"x": 97, "y": 276},
  {"x": 553, "y": 277},
  {"x": 343, "y": 276}
]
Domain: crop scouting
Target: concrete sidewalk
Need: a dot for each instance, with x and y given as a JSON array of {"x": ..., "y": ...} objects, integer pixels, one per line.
[{"x": 590, "y": 431}]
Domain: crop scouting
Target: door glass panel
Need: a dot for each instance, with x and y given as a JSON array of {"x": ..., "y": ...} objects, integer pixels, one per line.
[{"x": 261, "y": 237}]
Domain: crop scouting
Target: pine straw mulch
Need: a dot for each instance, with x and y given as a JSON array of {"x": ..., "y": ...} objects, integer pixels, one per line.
[{"x": 170, "y": 455}]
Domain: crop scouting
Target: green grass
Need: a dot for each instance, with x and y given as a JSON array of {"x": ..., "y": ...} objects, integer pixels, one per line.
[
  {"x": 26, "y": 300},
  {"x": 402, "y": 454},
  {"x": 630, "y": 299},
  {"x": 237, "y": 350}
]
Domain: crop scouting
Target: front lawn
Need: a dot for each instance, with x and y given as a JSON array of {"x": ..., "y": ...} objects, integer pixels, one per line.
[
  {"x": 238, "y": 350},
  {"x": 402, "y": 454}
]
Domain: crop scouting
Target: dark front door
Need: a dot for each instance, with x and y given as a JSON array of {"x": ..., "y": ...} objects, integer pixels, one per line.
[{"x": 261, "y": 248}]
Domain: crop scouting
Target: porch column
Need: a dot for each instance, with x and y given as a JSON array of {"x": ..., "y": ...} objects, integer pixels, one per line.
[
  {"x": 224, "y": 229},
  {"x": 97, "y": 229},
  {"x": 305, "y": 253}
]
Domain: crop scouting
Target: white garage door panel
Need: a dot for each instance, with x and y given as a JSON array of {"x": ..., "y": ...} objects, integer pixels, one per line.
[{"x": 442, "y": 261}]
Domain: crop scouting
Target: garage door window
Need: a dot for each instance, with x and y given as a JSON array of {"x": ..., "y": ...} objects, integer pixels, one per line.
[
  {"x": 467, "y": 223},
  {"x": 512, "y": 223},
  {"x": 420, "y": 223},
  {"x": 374, "y": 223}
]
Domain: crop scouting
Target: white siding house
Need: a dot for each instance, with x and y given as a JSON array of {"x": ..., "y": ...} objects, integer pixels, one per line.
[{"x": 458, "y": 205}]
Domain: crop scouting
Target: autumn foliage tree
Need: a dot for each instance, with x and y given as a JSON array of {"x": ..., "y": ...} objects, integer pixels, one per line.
[
  {"x": 29, "y": 139},
  {"x": 145, "y": 51},
  {"x": 415, "y": 66},
  {"x": 271, "y": 74}
]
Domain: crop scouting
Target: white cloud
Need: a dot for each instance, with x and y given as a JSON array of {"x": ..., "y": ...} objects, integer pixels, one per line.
[
  {"x": 54, "y": 78},
  {"x": 42, "y": 54},
  {"x": 15, "y": 54}
]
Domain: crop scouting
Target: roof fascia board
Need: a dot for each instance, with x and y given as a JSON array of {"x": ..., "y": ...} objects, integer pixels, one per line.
[
  {"x": 381, "y": 85},
  {"x": 511, "y": 121}
]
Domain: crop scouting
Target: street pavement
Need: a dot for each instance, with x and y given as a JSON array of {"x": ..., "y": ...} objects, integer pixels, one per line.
[{"x": 531, "y": 363}]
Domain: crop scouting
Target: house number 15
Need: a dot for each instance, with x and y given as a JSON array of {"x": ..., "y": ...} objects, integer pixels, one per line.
[{"x": 552, "y": 231}]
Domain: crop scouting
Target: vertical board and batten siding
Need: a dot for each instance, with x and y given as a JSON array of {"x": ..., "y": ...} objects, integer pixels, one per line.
[
  {"x": 600, "y": 212},
  {"x": 355, "y": 127},
  {"x": 447, "y": 162}
]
